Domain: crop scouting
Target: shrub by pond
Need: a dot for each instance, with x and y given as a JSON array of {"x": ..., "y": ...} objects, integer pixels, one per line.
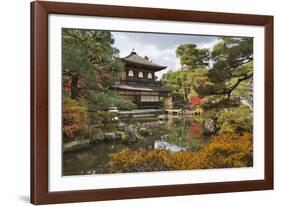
[{"x": 224, "y": 151}]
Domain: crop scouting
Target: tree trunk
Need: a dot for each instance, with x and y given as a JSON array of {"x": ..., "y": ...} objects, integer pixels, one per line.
[
  {"x": 228, "y": 95},
  {"x": 186, "y": 95},
  {"x": 74, "y": 86}
]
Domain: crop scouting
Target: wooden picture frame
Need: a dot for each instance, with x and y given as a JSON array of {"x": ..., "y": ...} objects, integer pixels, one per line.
[{"x": 39, "y": 102}]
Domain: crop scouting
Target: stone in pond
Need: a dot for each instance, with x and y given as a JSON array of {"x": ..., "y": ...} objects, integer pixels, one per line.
[
  {"x": 121, "y": 125},
  {"x": 144, "y": 131},
  {"x": 121, "y": 135},
  {"x": 209, "y": 126},
  {"x": 151, "y": 125},
  {"x": 162, "y": 117},
  {"x": 133, "y": 134},
  {"x": 96, "y": 135},
  {"x": 110, "y": 136}
]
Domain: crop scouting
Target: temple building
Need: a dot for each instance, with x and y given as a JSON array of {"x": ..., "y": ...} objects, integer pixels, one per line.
[{"x": 139, "y": 84}]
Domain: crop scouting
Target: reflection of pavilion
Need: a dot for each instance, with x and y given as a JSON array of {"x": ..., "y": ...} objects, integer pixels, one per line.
[
  {"x": 139, "y": 85},
  {"x": 161, "y": 144}
]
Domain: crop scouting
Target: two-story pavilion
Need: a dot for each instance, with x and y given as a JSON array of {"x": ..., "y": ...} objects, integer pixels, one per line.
[{"x": 139, "y": 84}]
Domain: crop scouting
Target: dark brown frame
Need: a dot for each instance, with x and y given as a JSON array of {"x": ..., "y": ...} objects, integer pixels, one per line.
[{"x": 39, "y": 102}]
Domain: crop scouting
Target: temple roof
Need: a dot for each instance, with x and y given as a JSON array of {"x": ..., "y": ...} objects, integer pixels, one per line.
[
  {"x": 140, "y": 87},
  {"x": 135, "y": 59}
]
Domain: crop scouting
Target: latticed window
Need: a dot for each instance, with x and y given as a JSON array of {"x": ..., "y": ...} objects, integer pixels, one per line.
[
  {"x": 140, "y": 74},
  {"x": 149, "y": 98},
  {"x": 131, "y": 73},
  {"x": 149, "y": 75}
]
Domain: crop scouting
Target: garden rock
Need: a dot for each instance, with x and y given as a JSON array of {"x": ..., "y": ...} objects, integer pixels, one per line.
[
  {"x": 96, "y": 135},
  {"x": 151, "y": 125},
  {"x": 121, "y": 125},
  {"x": 209, "y": 126},
  {"x": 162, "y": 117},
  {"x": 121, "y": 135},
  {"x": 110, "y": 136},
  {"x": 133, "y": 134}
]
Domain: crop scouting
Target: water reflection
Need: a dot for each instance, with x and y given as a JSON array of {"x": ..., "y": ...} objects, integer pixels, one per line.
[
  {"x": 175, "y": 134},
  {"x": 161, "y": 144}
]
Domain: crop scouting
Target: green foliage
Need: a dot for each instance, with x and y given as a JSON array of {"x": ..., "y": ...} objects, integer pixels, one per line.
[
  {"x": 102, "y": 117},
  {"x": 74, "y": 118},
  {"x": 244, "y": 89},
  {"x": 175, "y": 81},
  {"x": 216, "y": 102},
  {"x": 90, "y": 66},
  {"x": 193, "y": 73},
  {"x": 182, "y": 84},
  {"x": 75, "y": 53},
  {"x": 86, "y": 51},
  {"x": 88, "y": 55},
  {"x": 193, "y": 57},
  {"x": 106, "y": 99},
  {"x": 224, "y": 151},
  {"x": 197, "y": 76},
  {"x": 239, "y": 120},
  {"x": 232, "y": 65}
]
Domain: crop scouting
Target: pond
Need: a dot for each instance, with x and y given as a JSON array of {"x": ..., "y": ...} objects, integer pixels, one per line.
[{"x": 174, "y": 134}]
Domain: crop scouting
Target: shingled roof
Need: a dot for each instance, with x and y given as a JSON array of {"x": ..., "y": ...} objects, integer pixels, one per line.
[{"x": 135, "y": 59}]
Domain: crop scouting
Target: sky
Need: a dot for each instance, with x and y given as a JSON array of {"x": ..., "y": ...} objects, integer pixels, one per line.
[{"x": 159, "y": 48}]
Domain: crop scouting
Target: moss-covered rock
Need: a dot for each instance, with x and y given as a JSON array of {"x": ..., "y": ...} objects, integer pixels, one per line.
[{"x": 122, "y": 135}]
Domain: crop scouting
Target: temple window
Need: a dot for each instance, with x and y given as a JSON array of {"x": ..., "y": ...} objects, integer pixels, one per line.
[
  {"x": 140, "y": 74},
  {"x": 131, "y": 73},
  {"x": 149, "y": 75},
  {"x": 149, "y": 98}
]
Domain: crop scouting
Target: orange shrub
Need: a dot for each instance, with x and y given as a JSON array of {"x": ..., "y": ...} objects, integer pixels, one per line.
[
  {"x": 74, "y": 118},
  {"x": 224, "y": 151}
]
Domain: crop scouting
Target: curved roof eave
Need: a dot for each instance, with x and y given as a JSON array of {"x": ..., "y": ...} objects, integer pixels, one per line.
[{"x": 135, "y": 59}]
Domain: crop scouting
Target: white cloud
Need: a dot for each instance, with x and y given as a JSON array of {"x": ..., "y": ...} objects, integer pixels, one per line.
[
  {"x": 161, "y": 51},
  {"x": 209, "y": 45}
]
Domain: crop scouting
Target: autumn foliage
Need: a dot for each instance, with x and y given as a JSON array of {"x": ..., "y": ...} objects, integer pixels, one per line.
[
  {"x": 195, "y": 100},
  {"x": 74, "y": 118},
  {"x": 224, "y": 151}
]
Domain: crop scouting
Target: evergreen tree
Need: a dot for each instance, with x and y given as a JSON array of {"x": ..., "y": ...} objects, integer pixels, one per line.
[
  {"x": 232, "y": 65},
  {"x": 89, "y": 59}
]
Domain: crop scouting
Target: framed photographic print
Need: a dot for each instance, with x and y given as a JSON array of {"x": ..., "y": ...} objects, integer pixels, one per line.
[{"x": 131, "y": 102}]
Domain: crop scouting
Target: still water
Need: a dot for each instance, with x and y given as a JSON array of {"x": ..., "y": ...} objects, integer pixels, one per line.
[{"x": 174, "y": 134}]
